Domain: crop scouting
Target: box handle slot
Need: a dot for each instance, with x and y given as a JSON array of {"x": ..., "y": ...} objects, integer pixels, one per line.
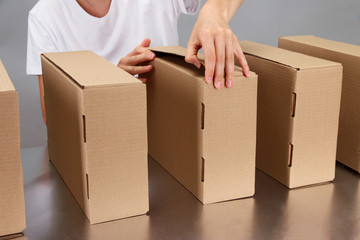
[
  {"x": 293, "y": 104},
  {"x": 202, "y": 169},
  {"x": 87, "y": 186},
  {"x": 202, "y": 115},
  {"x": 291, "y": 149},
  {"x": 84, "y": 127}
]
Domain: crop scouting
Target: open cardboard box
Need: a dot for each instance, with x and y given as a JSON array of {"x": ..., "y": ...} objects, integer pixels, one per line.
[
  {"x": 97, "y": 140},
  {"x": 12, "y": 203},
  {"x": 204, "y": 137},
  {"x": 348, "y": 146},
  {"x": 298, "y": 114}
]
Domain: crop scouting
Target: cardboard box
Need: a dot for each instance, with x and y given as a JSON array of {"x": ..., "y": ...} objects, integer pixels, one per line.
[
  {"x": 12, "y": 203},
  {"x": 348, "y": 148},
  {"x": 298, "y": 114},
  {"x": 96, "y": 123},
  {"x": 202, "y": 136}
]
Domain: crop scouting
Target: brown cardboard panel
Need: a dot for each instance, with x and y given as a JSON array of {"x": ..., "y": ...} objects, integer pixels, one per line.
[
  {"x": 288, "y": 58},
  {"x": 315, "y": 125},
  {"x": 5, "y": 82},
  {"x": 325, "y": 44},
  {"x": 12, "y": 204},
  {"x": 97, "y": 72},
  {"x": 298, "y": 111},
  {"x": 348, "y": 146},
  {"x": 174, "y": 122},
  {"x": 97, "y": 136},
  {"x": 229, "y": 140},
  {"x": 274, "y": 121},
  {"x": 63, "y": 100},
  {"x": 204, "y": 137},
  {"x": 116, "y": 150}
]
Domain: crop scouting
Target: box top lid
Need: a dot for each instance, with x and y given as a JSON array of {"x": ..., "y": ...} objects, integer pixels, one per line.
[
  {"x": 88, "y": 69},
  {"x": 5, "y": 82},
  {"x": 284, "y": 57},
  {"x": 335, "y": 46}
]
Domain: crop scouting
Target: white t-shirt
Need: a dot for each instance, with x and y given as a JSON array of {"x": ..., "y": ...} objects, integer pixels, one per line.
[{"x": 63, "y": 25}]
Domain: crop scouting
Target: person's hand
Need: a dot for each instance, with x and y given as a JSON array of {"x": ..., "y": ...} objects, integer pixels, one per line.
[
  {"x": 213, "y": 34},
  {"x": 139, "y": 55}
]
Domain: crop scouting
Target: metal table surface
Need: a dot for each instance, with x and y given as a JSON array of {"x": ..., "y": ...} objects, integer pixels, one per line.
[{"x": 328, "y": 211}]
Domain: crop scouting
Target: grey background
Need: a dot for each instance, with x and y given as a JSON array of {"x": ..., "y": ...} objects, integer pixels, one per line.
[{"x": 257, "y": 20}]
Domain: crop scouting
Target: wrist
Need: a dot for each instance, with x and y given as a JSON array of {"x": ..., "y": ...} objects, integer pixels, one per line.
[{"x": 216, "y": 8}]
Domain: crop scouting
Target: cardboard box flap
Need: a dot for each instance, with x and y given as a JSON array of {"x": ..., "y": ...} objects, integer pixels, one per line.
[
  {"x": 284, "y": 57},
  {"x": 173, "y": 50},
  {"x": 335, "y": 46},
  {"x": 96, "y": 72},
  {"x": 181, "y": 52},
  {"x": 176, "y": 50},
  {"x": 5, "y": 82}
]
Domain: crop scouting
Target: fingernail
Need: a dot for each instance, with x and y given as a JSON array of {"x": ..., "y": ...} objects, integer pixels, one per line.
[
  {"x": 248, "y": 73},
  {"x": 197, "y": 64},
  {"x": 209, "y": 80},
  {"x": 151, "y": 55},
  {"x": 218, "y": 85},
  {"x": 230, "y": 83}
]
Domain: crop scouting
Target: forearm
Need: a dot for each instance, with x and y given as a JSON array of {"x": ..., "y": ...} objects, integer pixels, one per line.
[
  {"x": 227, "y": 8},
  {"x": 41, "y": 88}
]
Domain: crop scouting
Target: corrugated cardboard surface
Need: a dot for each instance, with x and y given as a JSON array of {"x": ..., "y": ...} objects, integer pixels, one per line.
[
  {"x": 97, "y": 133},
  {"x": 298, "y": 112},
  {"x": 12, "y": 204},
  {"x": 5, "y": 83},
  {"x": 204, "y": 137},
  {"x": 97, "y": 72},
  {"x": 297, "y": 61},
  {"x": 348, "y": 148}
]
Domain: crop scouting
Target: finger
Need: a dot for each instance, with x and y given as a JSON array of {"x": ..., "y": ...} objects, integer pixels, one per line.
[
  {"x": 143, "y": 80},
  {"x": 191, "y": 54},
  {"x": 242, "y": 60},
  {"x": 210, "y": 58},
  {"x": 137, "y": 50},
  {"x": 145, "y": 43},
  {"x": 139, "y": 58},
  {"x": 141, "y": 48},
  {"x": 137, "y": 69},
  {"x": 229, "y": 62},
  {"x": 220, "y": 61}
]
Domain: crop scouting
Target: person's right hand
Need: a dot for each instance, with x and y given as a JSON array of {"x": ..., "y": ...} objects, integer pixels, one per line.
[{"x": 140, "y": 54}]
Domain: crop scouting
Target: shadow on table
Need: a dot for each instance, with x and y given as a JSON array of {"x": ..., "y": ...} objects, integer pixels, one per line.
[
  {"x": 344, "y": 217},
  {"x": 323, "y": 211},
  {"x": 51, "y": 210},
  {"x": 53, "y": 213},
  {"x": 174, "y": 211},
  {"x": 270, "y": 215}
]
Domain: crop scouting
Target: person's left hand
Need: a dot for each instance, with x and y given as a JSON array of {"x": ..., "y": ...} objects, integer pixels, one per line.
[
  {"x": 212, "y": 33},
  {"x": 133, "y": 62}
]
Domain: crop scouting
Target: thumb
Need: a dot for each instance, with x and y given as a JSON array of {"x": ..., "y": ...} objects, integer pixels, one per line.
[
  {"x": 191, "y": 54},
  {"x": 145, "y": 43}
]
